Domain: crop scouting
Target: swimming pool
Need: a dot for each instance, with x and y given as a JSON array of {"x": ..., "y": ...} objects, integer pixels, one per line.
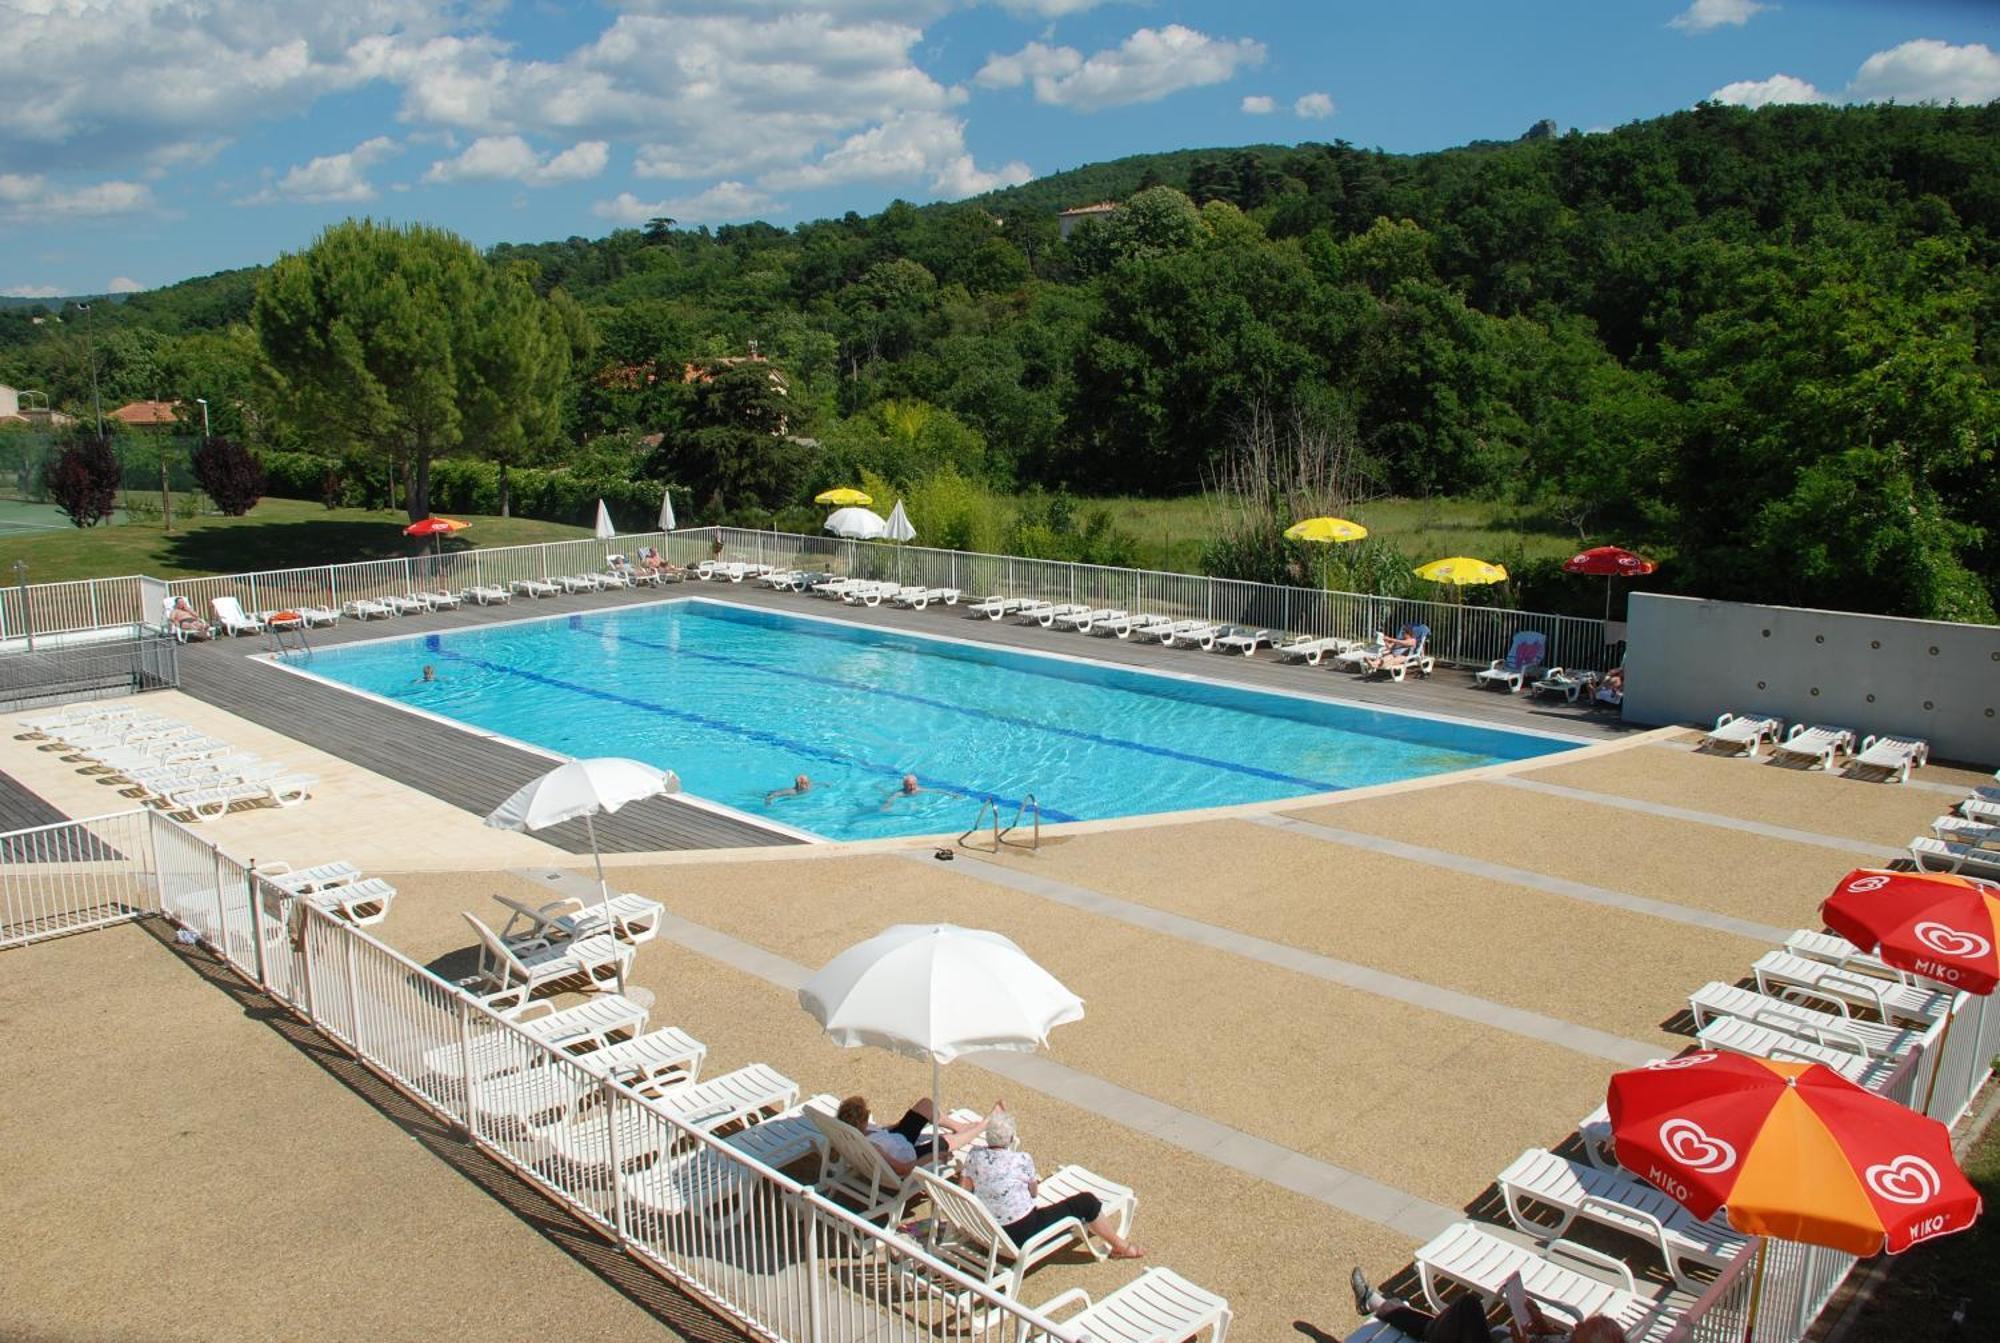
[{"x": 738, "y": 701}]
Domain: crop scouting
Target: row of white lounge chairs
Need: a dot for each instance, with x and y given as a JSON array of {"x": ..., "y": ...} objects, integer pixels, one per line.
[
  {"x": 1817, "y": 746},
  {"x": 1816, "y": 999},
  {"x": 166, "y": 763},
  {"x": 555, "y": 1118}
]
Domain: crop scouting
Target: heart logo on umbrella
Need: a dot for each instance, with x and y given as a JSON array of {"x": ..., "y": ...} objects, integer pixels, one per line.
[
  {"x": 1862, "y": 885},
  {"x": 1686, "y": 1061},
  {"x": 1907, "y": 1179},
  {"x": 1690, "y": 1144},
  {"x": 1946, "y": 940}
]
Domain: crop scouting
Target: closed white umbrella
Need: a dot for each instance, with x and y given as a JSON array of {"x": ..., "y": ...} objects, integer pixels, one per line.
[
  {"x": 605, "y": 531},
  {"x": 666, "y": 510},
  {"x": 583, "y": 788},
  {"x": 856, "y": 524},
  {"x": 898, "y": 526},
  {"x": 937, "y": 991}
]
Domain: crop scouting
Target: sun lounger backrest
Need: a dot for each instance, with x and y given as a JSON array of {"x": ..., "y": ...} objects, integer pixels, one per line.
[
  {"x": 496, "y": 952},
  {"x": 1527, "y": 650},
  {"x": 229, "y": 609},
  {"x": 966, "y": 1216}
]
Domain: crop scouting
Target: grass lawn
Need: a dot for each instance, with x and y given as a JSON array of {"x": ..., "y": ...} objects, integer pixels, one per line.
[
  {"x": 1931, "y": 1283},
  {"x": 276, "y": 534},
  {"x": 1171, "y": 532}
]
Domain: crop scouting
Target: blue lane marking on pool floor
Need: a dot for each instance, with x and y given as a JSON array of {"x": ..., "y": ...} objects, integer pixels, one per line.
[
  {"x": 738, "y": 730},
  {"x": 988, "y": 715}
]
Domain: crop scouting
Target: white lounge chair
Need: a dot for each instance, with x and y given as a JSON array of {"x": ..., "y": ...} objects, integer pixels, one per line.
[
  {"x": 362, "y": 903},
  {"x": 306, "y": 880},
  {"x": 1568, "y": 684},
  {"x": 1522, "y": 662},
  {"x": 590, "y": 1025},
  {"x": 538, "y": 1097},
  {"x": 580, "y": 583},
  {"x": 1165, "y": 629},
  {"x": 1081, "y": 621},
  {"x": 1473, "y": 1257},
  {"x": 697, "y": 1181},
  {"x": 1310, "y": 650},
  {"x": 1977, "y": 809},
  {"x": 1894, "y": 756},
  {"x": 1741, "y": 731},
  {"x": 535, "y": 587},
  {"x": 834, "y": 586},
  {"x": 1240, "y": 639},
  {"x": 1716, "y": 999},
  {"x": 403, "y": 604},
  {"x": 1943, "y": 855},
  {"x": 785, "y": 1137},
  {"x": 630, "y": 574},
  {"x": 1574, "y": 1190},
  {"x": 1190, "y": 633},
  {"x": 968, "y": 1237},
  {"x": 856, "y": 1169},
  {"x": 1396, "y": 663},
  {"x": 740, "y": 1097},
  {"x": 627, "y": 917},
  {"x": 438, "y": 600},
  {"x": 1838, "y": 951},
  {"x": 917, "y": 597},
  {"x": 1159, "y": 1306},
  {"x": 1737, "y": 1036},
  {"x": 1046, "y": 614},
  {"x": 205, "y": 800},
  {"x": 511, "y": 974},
  {"x": 1780, "y": 974},
  {"x": 1819, "y": 746},
  {"x": 319, "y": 617},
  {"x": 996, "y": 607},
  {"x": 367, "y": 608},
  {"x": 869, "y": 593},
  {"x": 232, "y": 619},
  {"x": 486, "y": 594},
  {"x": 1357, "y": 656}
]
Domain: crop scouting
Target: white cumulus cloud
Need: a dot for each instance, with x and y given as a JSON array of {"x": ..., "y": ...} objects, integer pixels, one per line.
[
  {"x": 28, "y": 198},
  {"x": 1259, "y": 105},
  {"x": 1920, "y": 71},
  {"x": 1927, "y": 70},
  {"x": 1705, "y": 16},
  {"x": 122, "y": 284},
  {"x": 915, "y": 146},
  {"x": 30, "y": 291},
  {"x": 722, "y": 203},
  {"x": 330, "y": 178},
  {"x": 1149, "y": 65},
  {"x": 510, "y": 158},
  {"x": 1313, "y": 107}
]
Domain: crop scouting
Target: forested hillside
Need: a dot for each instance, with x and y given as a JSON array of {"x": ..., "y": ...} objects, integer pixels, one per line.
[{"x": 1759, "y": 344}]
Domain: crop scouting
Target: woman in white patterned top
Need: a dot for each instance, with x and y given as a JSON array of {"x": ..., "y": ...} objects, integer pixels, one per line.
[{"x": 1003, "y": 1178}]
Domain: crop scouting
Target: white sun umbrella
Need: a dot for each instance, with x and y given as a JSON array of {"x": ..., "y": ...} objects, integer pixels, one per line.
[
  {"x": 856, "y": 524},
  {"x": 605, "y": 531},
  {"x": 935, "y": 990},
  {"x": 899, "y": 531},
  {"x": 666, "y": 510},
  {"x": 583, "y": 788}
]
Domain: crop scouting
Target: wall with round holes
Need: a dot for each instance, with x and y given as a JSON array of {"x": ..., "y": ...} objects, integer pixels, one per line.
[{"x": 1688, "y": 660}]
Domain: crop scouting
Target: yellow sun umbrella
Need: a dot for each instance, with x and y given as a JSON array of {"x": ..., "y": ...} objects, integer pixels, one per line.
[
  {"x": 844, "y": 498},
  {"x": 1459, "y": 571},
  {"x": 1330, "y": 530}
]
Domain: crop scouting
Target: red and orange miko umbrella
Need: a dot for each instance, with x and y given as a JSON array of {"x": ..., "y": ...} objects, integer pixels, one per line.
[
  {"x": 1609, "y": 562},
  {"x": 1792, "y": 1150},
  {"x": 435, "y": 527},
  {"x": 1935, "y": 924}
]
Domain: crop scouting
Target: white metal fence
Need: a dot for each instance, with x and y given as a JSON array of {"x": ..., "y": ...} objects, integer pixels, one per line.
[
  {"x": 764, "y": 1250},
  {"x": 1462, "y": 634}
]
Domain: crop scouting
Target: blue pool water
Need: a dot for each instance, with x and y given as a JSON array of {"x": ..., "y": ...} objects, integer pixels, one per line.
[{"x": 737, "y": 701}]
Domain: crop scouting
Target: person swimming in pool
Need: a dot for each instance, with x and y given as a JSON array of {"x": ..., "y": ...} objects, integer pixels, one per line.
[
  {"x": 800, "y": 785},
  {"x": 430, "y": 675},
  {"x": 909, "y": 787}
]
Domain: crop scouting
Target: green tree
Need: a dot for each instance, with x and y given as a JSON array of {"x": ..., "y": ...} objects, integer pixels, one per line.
[{"x": 403, "y": 340}]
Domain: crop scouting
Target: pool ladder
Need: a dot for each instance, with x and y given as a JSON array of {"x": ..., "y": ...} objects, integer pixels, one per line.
[
  {"x": 1029, "y": 808},
  {"x": 278, "y": 645}
]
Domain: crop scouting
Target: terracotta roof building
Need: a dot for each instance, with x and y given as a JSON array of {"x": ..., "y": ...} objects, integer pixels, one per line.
[{"x": 147, "y": 414}]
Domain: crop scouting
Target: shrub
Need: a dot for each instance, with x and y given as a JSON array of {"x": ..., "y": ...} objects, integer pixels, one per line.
[
  {"x": 229, "y": 475},
  {"x": 83, "y": 481}
]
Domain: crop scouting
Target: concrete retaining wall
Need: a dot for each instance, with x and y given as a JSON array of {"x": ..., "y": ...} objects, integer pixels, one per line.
[{"x": 1688, "y": 660}]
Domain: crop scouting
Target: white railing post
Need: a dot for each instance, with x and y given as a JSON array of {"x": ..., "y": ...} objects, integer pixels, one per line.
[
  {"x": 297, "y": 910},
  {"x": 816, "y": 1291},
  {"x": 256, "y": 927},
  {"x": 353, "y": 991},
  {"x": 409, "y": 575},
  {"x": 612, "y": 1118},
  {"x": 221, "y": 910},
  {"x": 469, "y": 1097},
  {"x": 333, "y": 587},
  {"x": 255, "y": 605}
]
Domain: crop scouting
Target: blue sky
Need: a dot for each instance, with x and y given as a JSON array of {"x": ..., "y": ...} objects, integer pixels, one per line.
[{"x": 144, "y": 142}]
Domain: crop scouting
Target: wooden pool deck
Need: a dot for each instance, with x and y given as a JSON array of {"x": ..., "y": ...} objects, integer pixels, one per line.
[{"x": 477, "y": 773}]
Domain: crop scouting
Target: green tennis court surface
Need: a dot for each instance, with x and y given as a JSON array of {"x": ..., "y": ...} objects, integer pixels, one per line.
[{"x": 18, "y": 517}]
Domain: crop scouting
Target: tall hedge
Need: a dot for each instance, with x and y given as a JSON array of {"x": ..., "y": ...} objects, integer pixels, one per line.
[{"x": 467, "y": 485}]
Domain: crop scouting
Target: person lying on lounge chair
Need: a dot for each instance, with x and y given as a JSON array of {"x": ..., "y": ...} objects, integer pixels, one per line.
[
  {"x": 1003, "y": 1177},
  {"x": 184, "y": 622},
  {"x": 905, "y": 1143},
  {"x": 1611, "y": 689},
  {"x": 1464, "y": 1320},
  {"x": 1398, "y": 650}
]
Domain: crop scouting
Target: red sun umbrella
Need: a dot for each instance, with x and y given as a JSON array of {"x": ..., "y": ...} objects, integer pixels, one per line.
[
  {"x": 1792, "y": 1150},
  {"x": 1612, "y": 562},
  {"x": 435, "y": 527},
  {"x": 1935, "y": 924}
]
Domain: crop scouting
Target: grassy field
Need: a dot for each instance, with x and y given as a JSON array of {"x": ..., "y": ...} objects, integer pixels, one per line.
[
  {"x": 1171, "y": 532},
  {"x": 276, "y": 534},
  {"x": 1954, "y": 1276}
]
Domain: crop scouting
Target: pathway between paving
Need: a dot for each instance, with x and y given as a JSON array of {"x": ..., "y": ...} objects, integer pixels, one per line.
[
  {"x": 1844, "y": 843},
  {"x": 1519, "y": 876},
  {"x": 1338, "y": 1187},
  {"x": 1348, "y": 974}
]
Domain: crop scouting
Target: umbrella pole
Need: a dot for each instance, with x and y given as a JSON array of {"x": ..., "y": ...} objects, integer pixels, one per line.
[
  {"x": 1607, "y": 599},
  {"x": 1756, "y": 1290},
  {"x": 603, "y": 891},
  {"x": 937, "y": 1119}
]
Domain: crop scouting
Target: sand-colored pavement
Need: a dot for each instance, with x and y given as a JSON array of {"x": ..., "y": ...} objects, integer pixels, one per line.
[
  {"x": 201, "y": 1178},
  {"x": 353, "y": 812}
]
